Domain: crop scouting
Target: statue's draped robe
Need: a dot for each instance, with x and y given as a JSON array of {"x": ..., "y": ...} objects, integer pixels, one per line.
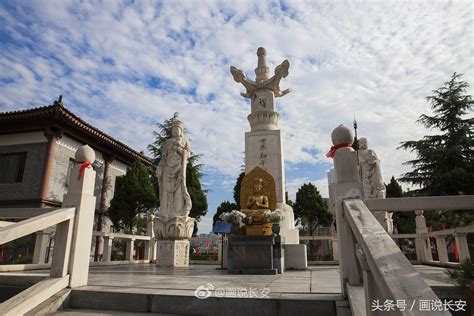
[
  {"x": 371, "y": 175},
  {"x": 373, "y": 185},
  {"x": 174, "y": 198}
]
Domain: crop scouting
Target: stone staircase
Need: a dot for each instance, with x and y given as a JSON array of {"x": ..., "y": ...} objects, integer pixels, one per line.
[{"x": 94, "y": 300}]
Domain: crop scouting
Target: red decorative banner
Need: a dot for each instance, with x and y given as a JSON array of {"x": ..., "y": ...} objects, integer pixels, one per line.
[
  {"x": 333, "y": 149},
  {"x": 84, "y": 165}
]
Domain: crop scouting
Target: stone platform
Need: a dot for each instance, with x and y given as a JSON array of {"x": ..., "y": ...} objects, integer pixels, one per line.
[{"x": 148, "y": 288}]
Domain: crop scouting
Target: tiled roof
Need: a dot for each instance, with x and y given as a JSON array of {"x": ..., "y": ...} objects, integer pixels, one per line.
[{"x": 57, "y": 111}]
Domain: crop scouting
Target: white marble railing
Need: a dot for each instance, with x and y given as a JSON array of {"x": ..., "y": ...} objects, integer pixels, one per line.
[
  {"x": 422, "y": 237},
  {"x": 368, "y": 255},
  {"x": 373, "y": 259},
  {"x": 69, "y": 267},
  {"x": 108, "y": 239}
]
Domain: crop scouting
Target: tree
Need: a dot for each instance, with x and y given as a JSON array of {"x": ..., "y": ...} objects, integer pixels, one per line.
[
  {"x": 310, "y": 208},
  {"x": 134, "y": 194},
  {"x": 393, "y": 189},
  {"x": 193, "y": 170},
  {"x": 225, "y": 206},
  {"x": 403, "y": 221},
  {"x": 444, "y": 163},
  {"x": 237, "y": 191}
]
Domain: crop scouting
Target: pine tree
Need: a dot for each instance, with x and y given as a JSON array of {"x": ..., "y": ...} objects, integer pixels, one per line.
[
  {"x": 403, "y": 221},
  {"x": 134, "y": 194},
  {"x": 225, "y": 206},
  {"x": 237, "y": 190},
  {"x": 310, "y": 209},
  {"x": 193, "y": 170},
  {"x": 393, "y": 189},
  {"x": 445, "y": 161}
]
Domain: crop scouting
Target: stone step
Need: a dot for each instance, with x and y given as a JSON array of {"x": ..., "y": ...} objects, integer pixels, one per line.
[
  {"x": 185, "y": 303},
  {"x": 98, "y": 312}
]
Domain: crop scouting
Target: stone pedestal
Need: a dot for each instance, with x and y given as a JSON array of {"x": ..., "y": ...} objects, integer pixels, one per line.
[
  {"x": 295, "y": 257},
  {"x": 279, "y": 254},
  {"x": 172, "y": 253},
  {"x": 254, "y": 255},
  {"x": 291, "y": 235},
  {"x": 173, "y": 234}
]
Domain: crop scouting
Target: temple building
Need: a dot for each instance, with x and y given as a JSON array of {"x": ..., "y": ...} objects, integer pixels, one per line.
[{"x": 37, "y": 148}]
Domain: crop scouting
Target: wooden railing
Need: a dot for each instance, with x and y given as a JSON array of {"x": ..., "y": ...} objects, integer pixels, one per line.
[{"x": 70, "y": 260}]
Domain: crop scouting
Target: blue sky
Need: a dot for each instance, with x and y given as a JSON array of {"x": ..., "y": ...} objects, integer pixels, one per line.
[{"x": 123, "y": 66}]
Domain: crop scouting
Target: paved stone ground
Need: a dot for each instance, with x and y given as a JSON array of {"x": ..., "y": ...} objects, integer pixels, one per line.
[
  {"x": 317, "y": 279},
  {"x": 322, "y": 279},
  {"x": 317, "y": 283}
]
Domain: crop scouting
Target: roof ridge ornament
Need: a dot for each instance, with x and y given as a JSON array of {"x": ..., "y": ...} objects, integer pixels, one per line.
[
  {"x": 59, "y": 101},
  {"x": 262, "y": 82}
]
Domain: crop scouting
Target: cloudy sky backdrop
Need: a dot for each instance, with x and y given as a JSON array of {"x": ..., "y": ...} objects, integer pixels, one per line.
[{"x": 124, "y": 66}]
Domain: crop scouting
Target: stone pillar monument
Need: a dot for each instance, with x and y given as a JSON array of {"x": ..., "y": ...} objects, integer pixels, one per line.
[
  {"x": 173, "y": 226},
  {"x": 263, "y": 144}
]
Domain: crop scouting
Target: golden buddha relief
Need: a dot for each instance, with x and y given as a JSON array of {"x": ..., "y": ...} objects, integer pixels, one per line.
[{"x": 258, "y": 197}]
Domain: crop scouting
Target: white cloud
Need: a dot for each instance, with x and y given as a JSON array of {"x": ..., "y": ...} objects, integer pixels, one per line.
[{"x": 123, "y": 67}]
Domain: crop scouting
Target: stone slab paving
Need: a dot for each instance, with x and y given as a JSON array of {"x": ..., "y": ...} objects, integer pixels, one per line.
[
  {"x": 322, "y": 279},
  {"x": 141, "y": 287},
  {"x": 317, "y": 279}
]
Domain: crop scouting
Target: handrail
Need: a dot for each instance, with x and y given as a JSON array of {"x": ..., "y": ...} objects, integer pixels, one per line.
[
  {"x": 333, "y": 238},
  {"x": 5, "y": 224},
  {"x": 445, "y": 232},
  {"x": 74, "y": 222},
  {"x": 32, "y": 225},
  {"x": 426, "y": 203},
  {"x": 391, "y": 272},
  {"x": 24, "y": 212},
  {"x": 119, "y": 235},
  {"x": 215, "y": 238}
]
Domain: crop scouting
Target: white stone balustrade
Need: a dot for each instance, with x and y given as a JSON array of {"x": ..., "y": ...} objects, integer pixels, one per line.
[
  {"x": 41, "y": 246},
  {"x": 70, "y": 261},
  {"x": 367, "y": 251},
  {"x": 130, "y": 251},
  {"x": 422, "y": 244}
]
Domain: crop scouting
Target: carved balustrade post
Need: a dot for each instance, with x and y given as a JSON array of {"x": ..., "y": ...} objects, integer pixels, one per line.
[
  {"x": 81, "y": 196},
  {"x": 422, "y": 243},
  {"x": 463, "y": 247},
  {"x": 347, "y": 186}
]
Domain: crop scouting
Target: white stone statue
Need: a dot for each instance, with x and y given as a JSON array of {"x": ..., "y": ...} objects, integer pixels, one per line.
[
  {"x": 171, "y": 174},
  {"x": 172, "y": 226},
  {"x": 372, "y": 181}
]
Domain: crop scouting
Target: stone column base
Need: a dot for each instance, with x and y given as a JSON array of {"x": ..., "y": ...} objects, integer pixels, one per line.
[
  {"x": 172, "y": 253},
  {"x": 295, "y": 257},
  {"x": 291, "y": 235}
]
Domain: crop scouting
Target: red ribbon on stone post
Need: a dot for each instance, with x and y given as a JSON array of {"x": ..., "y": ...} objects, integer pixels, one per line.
[
  {"x": 84, "y": 165},
  {"x": 333, "y": 149}
]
